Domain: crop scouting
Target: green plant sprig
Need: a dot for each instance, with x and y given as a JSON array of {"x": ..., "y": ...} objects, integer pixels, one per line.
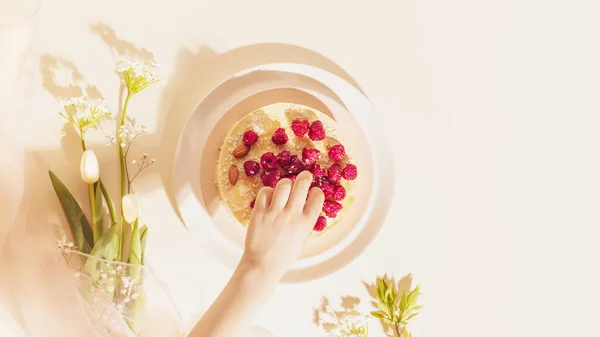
[{"x": 393, "y": 309}]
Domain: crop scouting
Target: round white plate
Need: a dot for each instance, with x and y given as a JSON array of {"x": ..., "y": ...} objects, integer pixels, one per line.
[{"x": 197, "y": 152}]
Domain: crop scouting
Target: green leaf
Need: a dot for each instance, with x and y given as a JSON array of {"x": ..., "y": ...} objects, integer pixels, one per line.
[
  {"x": 406, "y": 313},
  {"x": 377, "y": 314},
  {"x": 403, "y": 301},
  {"x": 78, "y": 224},
  {"x": 413, "y": 296},
  {"x": 106, "y": 248},
  {"x": 97, "y": 220},
  {"x": 135, "y": 255},
  {"x": 380, "y": 288},
  {"x": 382, "y": 307},
  {"x": 418, "y": 307},
  {"x": 109, "y": 202},
  {"x": 411, "y": 316},
  {"x": 143, "y": 237}
]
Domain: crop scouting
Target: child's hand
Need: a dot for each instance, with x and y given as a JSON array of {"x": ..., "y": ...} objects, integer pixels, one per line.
[{"x": 281, "y": 222}]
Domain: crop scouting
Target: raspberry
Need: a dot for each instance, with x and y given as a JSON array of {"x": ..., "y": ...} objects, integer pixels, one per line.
[
  {"x": 268, "y": 161},
  {"x": 337, "y": 152},
  {"x": 251, "y": 168},
  {"x": 350, "y": 172},
  {"x": 270, "y": 178},
  {"x": 331, "y": 208},
  {"x": 339, "y": 192},
  {"x": 324, "y": 184},
  {"x": 335, "y": 173},
  {"x": 327, "y": 188},
  {"x": 291, "y": 177},
  {"x": 295, "y": 166},
  {"x": 316, "y": 131},
  {"x": 252, "y": 203},
  {"x": 310, "y": 156},
  {"x": 250, "y": 137},
  {"x": 279, "y": 137},
  {"x": 283, "y": 158},
  {"x": 318, "y": 172},
  {"x": 320, "y": 224},
  {"x": 300, "y": 127}
]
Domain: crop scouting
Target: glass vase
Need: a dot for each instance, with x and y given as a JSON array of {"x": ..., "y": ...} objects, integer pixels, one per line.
[{"x": 123, "y": 299}]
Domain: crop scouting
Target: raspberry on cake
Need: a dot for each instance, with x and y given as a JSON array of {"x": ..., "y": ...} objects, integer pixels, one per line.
[
  {"x": 280, "y": 137},
  {"x": 318, "y": 171},
  {"x": 300, "y": 127},
  {"x": 339, "y": 192},
  {"x": 350, "y": 172},
  {"x": 268, "y": 161},
  {"x": 320, "y": 224},
  {"x": 337, "y": 152},
  {"x": 251, "y": 168},
  {"x": 310, "y": 156},
  {"x": 331, "y": 208},
  {"x": 316, "y": 131},
  {"x": 307, "y": 146},
  {"x": 335, "y": 173},
  {"x": 283, "y": 158},
  {"x": 270, "y": 178},
  {"x": 250, "y": 137}
]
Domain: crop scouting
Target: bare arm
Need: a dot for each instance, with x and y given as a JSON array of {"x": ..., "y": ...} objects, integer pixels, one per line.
[{"x": 280, "y": 225}]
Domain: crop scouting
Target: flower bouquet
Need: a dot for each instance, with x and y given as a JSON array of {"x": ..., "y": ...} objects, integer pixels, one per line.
[{"x": 109, "y": 259}]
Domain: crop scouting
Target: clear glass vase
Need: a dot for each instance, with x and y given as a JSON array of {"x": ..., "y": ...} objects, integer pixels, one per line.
[{"x": 123, "y": 299}]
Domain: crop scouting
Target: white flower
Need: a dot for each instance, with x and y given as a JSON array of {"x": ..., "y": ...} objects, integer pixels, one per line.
[
  {"x": 110, "y": 140},
  {"x": 130, "y": 131},
  {"x": 138, "y": 74},
  {"x": 84, "y": 113},
  {"x": 131, "y": 207},
  {"x": 90, "y": 170}
]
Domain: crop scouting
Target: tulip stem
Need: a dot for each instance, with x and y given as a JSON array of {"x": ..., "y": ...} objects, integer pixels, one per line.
[{"x": 96, "y": 227}]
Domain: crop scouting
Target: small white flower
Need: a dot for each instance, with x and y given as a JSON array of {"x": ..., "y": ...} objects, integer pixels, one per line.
[
  {"x": 138, "y": 74},
  {"x": 90, "y": 170},
  {"x": 110, "y": 140},
  {"x": 131, "y": 207},
  {"x": 128, "y": 132},
  {"x": 84, "y": 113}
]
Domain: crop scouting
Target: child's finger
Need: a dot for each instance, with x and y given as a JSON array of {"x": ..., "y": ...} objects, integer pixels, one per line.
[
  {"x": 314, "y": 204},
  {"x": 263, "y": 198},
  {"x": 299, "y": 191}
]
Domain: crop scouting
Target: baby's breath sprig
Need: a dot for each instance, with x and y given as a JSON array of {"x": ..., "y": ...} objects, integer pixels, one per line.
[
  {"x": 393, "y": 309},
  {"x": 127, "y": 134},
  {"x": 84, "y": 113},
  {"x": 142, "y": 164}
]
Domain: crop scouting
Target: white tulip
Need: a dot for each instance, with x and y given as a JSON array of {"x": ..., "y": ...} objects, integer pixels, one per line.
[
  {"x": 131, "y": 207},
  {"x": 90, "y": 171}
]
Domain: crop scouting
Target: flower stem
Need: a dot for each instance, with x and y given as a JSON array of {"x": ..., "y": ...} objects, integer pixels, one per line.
[
  {"x": 121, "y": 157},
  {"x": 123, "y": 170},
  {"x": 397, "y": 329},
  {"x": 96, "y": 228}
]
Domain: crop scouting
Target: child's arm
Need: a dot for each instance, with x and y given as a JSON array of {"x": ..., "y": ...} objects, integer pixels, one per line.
[{"x": 281, "y": 222}]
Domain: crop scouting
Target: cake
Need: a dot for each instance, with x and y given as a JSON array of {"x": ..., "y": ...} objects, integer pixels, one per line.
[{"x": 279, "y": 141}]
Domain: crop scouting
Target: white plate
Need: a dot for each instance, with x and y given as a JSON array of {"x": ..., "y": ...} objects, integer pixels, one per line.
[{"x": 197, "y": 152}]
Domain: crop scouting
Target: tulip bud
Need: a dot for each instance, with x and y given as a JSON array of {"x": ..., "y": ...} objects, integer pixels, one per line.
[
  {"x": 90, "y": 171},
  {"x": 131, "y": 207}
]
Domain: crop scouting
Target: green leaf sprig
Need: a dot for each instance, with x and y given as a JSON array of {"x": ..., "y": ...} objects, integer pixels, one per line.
[{"x": 393, "y": 309}]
